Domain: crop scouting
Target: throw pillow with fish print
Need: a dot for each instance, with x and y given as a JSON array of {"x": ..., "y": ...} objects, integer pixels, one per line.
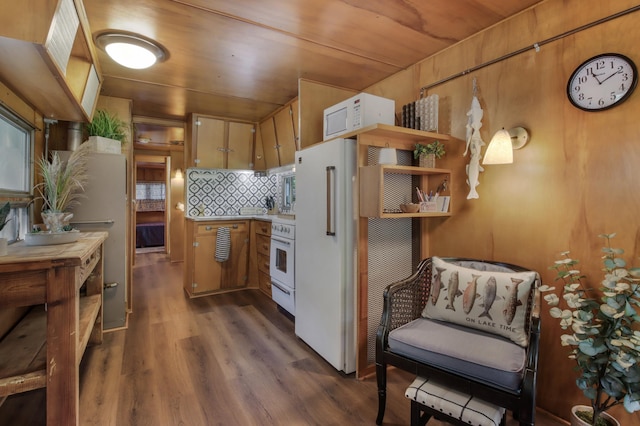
[{"x": 490, "y": 300}]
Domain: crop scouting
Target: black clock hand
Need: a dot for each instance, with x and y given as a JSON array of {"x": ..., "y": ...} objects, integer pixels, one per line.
[
  {"x": 617, "y": 72},
  {"x": 596, "y": 77}
]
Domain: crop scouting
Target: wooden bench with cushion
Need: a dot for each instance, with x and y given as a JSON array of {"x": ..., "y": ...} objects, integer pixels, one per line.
[{"x": 468, "y": 324}]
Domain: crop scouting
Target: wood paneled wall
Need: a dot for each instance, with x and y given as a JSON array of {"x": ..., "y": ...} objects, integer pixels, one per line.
[{"x": 575, "y": 179}]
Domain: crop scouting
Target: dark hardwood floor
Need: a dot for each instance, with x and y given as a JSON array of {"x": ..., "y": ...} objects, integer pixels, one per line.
[{"x": 229, "y": 359}]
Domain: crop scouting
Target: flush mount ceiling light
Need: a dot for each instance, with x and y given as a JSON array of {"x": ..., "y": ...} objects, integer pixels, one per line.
[{"x": 131, "y": 50}]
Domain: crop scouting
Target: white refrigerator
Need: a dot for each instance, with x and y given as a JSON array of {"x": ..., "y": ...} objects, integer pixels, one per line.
[
  {"x": 104, "y": 208},
  {"x": 325, "y": 250}
]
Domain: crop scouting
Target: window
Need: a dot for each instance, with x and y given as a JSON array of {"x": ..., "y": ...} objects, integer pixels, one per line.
[
  {"x": 16, "y": 161},
  {"x": 16, "y": 171},
  {"x": 150, "y": 191}
]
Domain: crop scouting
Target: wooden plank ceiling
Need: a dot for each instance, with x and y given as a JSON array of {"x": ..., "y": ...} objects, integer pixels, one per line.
[{"x": 242, "y": 58}]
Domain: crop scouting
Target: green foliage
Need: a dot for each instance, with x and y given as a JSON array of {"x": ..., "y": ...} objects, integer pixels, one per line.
[
  {"x": 4, "y": 212},
  {"x": 107, "y": 126},
  {"x": 435, "y": 147},
  {"x": 62, "y": 181},
  {"x": 604, "y": 326}
]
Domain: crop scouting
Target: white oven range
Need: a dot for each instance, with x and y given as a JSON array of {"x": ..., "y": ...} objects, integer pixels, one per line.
[{"x": 281, "y": 268}]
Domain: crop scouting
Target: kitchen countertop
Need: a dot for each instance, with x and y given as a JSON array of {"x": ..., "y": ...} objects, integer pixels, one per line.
[
  {"x": 280, "y": 218},
  {"x": 265, "y": 217}
]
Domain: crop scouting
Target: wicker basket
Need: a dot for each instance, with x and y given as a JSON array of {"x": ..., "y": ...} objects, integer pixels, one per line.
[{"x": 427, "y": 161}]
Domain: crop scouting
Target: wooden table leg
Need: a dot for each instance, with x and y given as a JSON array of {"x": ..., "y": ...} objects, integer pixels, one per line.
[{"x": 62, "y": 342}]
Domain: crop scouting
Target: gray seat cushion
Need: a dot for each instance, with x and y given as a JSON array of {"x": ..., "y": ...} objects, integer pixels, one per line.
[{"x": 465, "y": 351}]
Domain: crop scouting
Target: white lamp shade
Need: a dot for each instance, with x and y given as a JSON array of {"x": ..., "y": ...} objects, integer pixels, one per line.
[
  {"x": 388, "y": 156},
  {"x": 131, "y": 55},
  {"x": 500, "y": 149},
  {"x": 131, "y": 50}
]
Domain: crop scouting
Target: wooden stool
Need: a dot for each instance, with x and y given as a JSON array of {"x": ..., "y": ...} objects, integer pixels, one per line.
[{"x": 432, "y": 399}]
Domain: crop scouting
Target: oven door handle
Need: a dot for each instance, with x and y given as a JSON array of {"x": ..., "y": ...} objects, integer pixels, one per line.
[
  {"x": 331, "y": 210},
  {"x": 282, "y": 289},
  {"x": 285, "y": 242}
]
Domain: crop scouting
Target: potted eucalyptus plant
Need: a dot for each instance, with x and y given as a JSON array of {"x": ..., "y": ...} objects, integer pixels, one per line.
[
  {"x": 426, "y": 154},
  {"x": 106, "y": 132},
  {"x": 603, "y": 333},
  {"x": 61, "y": 187}
]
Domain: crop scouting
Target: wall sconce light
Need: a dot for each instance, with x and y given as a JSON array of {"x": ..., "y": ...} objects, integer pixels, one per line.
[
  {"x": 178, "y": 174},
  {"x": 131, "y": 50},
  {"x": 500, "y": 149},
  {"x": 387, "y": 156}
]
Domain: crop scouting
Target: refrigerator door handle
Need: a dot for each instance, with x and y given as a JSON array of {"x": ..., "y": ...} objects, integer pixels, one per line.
[{"x": 331, "y": 211}]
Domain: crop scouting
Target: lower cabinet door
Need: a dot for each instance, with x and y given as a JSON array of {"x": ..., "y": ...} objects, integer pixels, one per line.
[{"x": 207, "y": 272}]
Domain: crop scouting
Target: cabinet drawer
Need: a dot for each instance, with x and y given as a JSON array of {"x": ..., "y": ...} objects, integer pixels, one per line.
[
  {"x": 263, "y": 263},
  {"x": 263, "y": 228},
  {"x": 263, "y": 244},
  {"x": 264, "y": 283},
  {"x": 212, "y": 227}
]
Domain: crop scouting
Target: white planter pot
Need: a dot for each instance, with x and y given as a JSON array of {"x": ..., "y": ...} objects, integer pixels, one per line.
[
  {"x": 100, "y": 144},
  {"x": 576, "y": 421}
]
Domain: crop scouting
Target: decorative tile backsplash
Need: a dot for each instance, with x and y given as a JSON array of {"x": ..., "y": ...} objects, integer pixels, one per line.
[{"x": 220, "y": 192}]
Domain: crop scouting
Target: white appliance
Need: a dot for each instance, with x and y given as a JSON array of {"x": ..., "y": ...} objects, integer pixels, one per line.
[
  {"x": 326, "y": 250},
  {"x": 355, "y": 113},
  {"x": 282, "y": 266},
  {"x": 104, "y": 208}
]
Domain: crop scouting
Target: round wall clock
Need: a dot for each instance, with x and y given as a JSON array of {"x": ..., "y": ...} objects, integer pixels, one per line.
[{"x": 602, "y": 82}]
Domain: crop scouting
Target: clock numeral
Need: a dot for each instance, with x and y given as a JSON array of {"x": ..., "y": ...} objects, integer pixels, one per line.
[
  {"x": 582, "y": 79},
  {"x": 600, "y": 65},
  {"x": 612, "y": 96}
]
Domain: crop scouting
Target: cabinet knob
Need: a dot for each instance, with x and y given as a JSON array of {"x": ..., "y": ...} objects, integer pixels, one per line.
[
  {"x": 208, "y": 228},
  {"x": 265, "y": 247}
]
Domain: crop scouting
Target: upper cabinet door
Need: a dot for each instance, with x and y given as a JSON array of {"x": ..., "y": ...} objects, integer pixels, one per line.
[
  {"x": 269, "y": 143},
  {"x": 53, "y": 64},
  {"x": 240, "y": 145},
  {"x": 209, "y": 142},
  {"x": 258, "y": 155},
  {"x": 285, "y": 135},
  {"x": 295, "y": 115}
]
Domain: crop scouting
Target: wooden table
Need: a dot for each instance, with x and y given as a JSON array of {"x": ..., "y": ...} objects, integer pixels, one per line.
[{"x": 68, "y": 280}]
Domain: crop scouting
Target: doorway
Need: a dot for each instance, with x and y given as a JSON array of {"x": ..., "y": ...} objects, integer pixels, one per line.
[{"x": 152, "y": 199}]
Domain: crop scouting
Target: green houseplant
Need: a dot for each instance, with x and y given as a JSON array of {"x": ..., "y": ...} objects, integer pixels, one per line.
[
  {"x": 427, "y": 153},
  {"x": 107, "y": 125},
  {"x": 62, "y": 184},
  {"x": 604, "y": 335}
]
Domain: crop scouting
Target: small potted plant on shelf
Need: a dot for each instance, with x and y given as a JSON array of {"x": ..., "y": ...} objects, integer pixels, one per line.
[
  {"x": 426, "y": 154},
  {"x": 604, "y": 337},
  {"x": 62, "y": 184},
  {"x": 107, "y": 133}
]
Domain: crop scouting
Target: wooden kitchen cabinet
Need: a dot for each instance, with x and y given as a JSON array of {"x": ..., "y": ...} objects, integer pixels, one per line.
[
  {"x": 279, "y": 135},
  {"x": 261, "y": 255},
  {"x": 52, "y": 57},
  {"x": 285, "y": 135},
  {"x": 45, "y": 348},
  {"x": 202, "y": 273},
  {"x": 215, "y": 143},
  {"x": 269, "y": 143}
]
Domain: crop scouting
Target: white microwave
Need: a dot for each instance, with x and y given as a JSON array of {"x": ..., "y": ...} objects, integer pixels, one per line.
[{"x": 355, "y": 113}]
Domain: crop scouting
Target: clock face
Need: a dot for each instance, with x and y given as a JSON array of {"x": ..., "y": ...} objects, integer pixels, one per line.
[{"x": 602, "y": 82}]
